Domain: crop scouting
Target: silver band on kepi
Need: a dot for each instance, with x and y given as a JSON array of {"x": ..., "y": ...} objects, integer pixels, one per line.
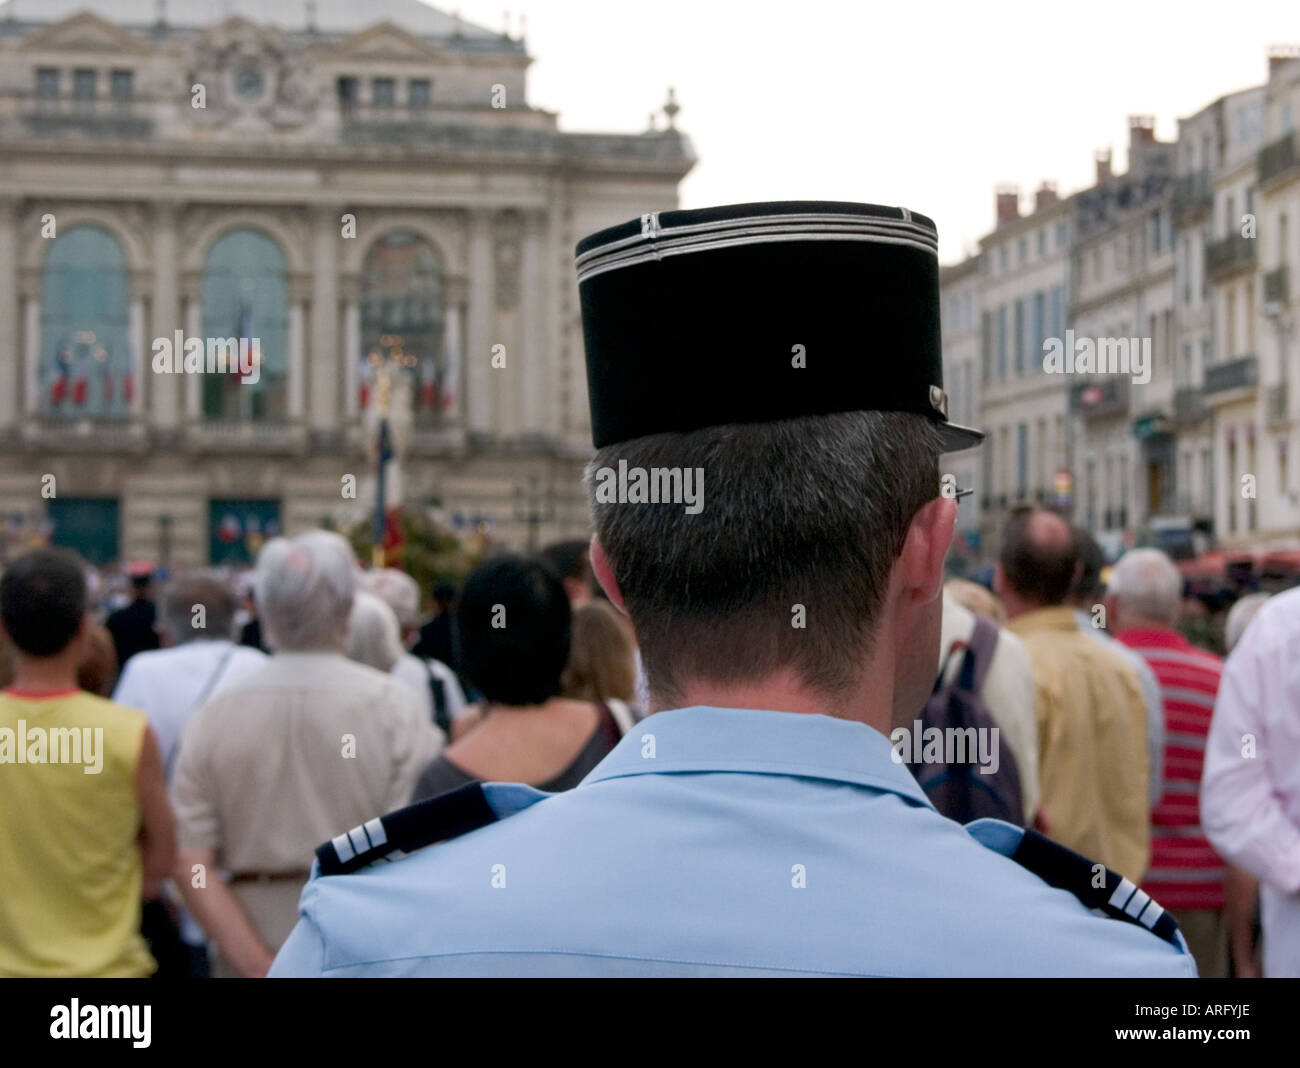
[
  {"x": 655, "y": 241},
  {"x": 701, "y": 318}
]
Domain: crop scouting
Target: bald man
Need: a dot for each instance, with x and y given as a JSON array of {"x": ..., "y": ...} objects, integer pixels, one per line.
[{"x": 1091, "y": 718}]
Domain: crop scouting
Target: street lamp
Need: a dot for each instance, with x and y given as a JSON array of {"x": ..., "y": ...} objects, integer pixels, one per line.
[{"x": 534, "y": 507}]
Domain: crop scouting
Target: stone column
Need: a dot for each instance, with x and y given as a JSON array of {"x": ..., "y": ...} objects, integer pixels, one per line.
[
  {"x": 136, "y": 346},
  {"x": 325, "y": 373},
  {"x": 295, "y": 364},
  {"x": 32, "y": 349},
  {"x": 351, "y": 352},
  {"x": 10, "y": 375},
  {"x": 165, "y": 390},
  {"x": 478, "y": 355},
  {"x": 193, "y": 328},
  {"x": 532, "y": 335},
  {"x": 454, "y": 349}
]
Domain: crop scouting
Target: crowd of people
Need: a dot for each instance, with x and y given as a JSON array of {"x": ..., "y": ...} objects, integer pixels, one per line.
[
  {"x": 228, "y": 764},
  {"x": 757, "y": 737},
  {"x": 232, "y": 763}
]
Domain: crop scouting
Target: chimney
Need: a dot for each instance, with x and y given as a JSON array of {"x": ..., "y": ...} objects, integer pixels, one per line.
[
  {"x": 1279, "y": 56},
  {"x": 1141, "y": 130},
  {"x": 1102, "y": 158},
  {"x": 1045, "y": 196},
  {"x": 1008, "y": 203}
]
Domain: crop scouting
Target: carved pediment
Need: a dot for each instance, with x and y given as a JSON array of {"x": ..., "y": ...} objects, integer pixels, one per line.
[
  {"x": 86, "y": 32},
  {"x": 386, "y": 41}
]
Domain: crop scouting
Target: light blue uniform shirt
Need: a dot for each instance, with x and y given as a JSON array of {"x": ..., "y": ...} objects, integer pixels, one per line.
[{"x": 716, "y": 841}]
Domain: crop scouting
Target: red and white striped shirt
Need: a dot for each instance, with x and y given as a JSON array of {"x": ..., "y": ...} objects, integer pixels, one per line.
[{"x": 1185, "y": 871}]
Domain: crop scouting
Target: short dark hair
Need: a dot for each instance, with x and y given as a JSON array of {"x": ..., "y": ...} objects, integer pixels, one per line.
[
  {"x": 569, "y": 559},
  {"x": 43, "y": 600},
  {"x": 1088, "y": 586},
  {"x": 513, "y": 628},
  {"x": 811, "y": 511},
  {"x": 1041, "y": 572}
]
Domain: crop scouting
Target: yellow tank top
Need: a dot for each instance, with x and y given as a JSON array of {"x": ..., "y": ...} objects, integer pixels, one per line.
[{"x": 70, "y": 867}]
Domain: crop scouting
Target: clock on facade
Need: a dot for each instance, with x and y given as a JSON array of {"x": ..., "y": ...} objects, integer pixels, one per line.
[{"x": 249, "y": 82}]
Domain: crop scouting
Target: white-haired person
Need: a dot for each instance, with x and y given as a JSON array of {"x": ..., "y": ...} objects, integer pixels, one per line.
[
  {"x": 374, "y": 638},
  {"x": 1186, "y": 875},
  {"x": 433, "y": 681},
  {"x": 288, "y": 756},
  {"x": 1239, "y": 617}
]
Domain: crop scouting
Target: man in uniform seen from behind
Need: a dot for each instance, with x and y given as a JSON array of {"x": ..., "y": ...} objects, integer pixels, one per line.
[{"x": 757, "y": 823}]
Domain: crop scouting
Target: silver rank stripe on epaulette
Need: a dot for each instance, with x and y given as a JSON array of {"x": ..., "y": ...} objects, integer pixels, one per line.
[
  {"x": 360, "y": 840},
  {"x": 1136, "y": 903}
]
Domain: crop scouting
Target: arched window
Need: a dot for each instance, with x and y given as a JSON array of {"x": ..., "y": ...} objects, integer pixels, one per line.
[
  {"x": 402, "y": 311},
  {"x": 85, "y": 370},
  {"x": 245, "y": 302}
]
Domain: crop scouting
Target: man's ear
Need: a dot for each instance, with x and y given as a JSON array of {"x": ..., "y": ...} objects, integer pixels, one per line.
[
  {"x": 926, "y": 545},
  {"x": 999, "y": 583},
  {"x": 605, "y": 574}
]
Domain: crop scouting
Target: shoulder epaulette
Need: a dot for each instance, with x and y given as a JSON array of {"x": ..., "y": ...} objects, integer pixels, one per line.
[
  {"x": 1095, "y": 885},
  {"x": 437, "y": 819}
]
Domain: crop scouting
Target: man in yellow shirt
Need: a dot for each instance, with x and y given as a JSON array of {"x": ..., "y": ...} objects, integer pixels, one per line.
[
  {"x": 85, "y": 824},
  {"x": 1091, "y": 719}
]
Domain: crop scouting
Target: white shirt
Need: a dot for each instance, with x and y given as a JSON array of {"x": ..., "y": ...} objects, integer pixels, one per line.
[
  {"x": 1250, "y": 789},
  {"x": 415, "y": 672},
  {"x": 1008, "y": 694},
  {"x": 166, "y": 684}
]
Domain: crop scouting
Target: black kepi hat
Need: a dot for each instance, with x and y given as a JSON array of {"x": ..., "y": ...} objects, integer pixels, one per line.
[{"x": 759, "y": 312}]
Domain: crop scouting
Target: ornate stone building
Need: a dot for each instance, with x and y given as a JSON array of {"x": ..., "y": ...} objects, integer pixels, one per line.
[
  {"x": 1122, "y": 300},
  {"x": 341, "y": 182},
  {"x": 1024, "y": 289}
]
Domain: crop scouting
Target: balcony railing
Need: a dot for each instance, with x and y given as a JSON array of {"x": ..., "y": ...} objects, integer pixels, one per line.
[
  {"x": 1102, "y": 396},
  {"x": 1241, "y": 372},
  {"x": 352, "y": 111},
  {"x": 1233, "y": 253},
  {"x": 94, "y": 116},
  {"x": 1277, "y": 158},
  {"x": 1275, "y": 404},
  {"x": 1193, "y": 196},
  {"x": 1276, "y": 288},
  {"x": 246, "y": 436},
  {"x": 98, "y": 436},
  {"x": 1189, "y": 405}
]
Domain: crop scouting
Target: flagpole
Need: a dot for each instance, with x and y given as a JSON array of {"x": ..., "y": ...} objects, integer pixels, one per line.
[{"x": 383, "y": 386}]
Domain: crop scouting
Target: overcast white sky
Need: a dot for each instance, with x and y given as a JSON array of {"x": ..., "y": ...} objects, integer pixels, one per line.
[{"x": 924, "y": 103}]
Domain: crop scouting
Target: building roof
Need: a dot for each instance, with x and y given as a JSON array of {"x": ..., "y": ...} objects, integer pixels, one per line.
[{"x": 331, "y": 16}]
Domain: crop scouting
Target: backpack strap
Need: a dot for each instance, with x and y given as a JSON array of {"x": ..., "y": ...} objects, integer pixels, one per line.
[
  {"x": 979, "y": 653},
  {"x": 941, "y": 680}
]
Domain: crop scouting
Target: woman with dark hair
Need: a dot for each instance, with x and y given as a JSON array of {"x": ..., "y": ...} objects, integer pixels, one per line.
[{"x": 513, "y": 630}]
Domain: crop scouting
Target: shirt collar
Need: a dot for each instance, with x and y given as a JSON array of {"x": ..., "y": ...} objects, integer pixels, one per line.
[
  {"x": 1058, "y": 617},
  {"x": 1152, "y": 638},
  {"x": 759, "y": 742}
]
